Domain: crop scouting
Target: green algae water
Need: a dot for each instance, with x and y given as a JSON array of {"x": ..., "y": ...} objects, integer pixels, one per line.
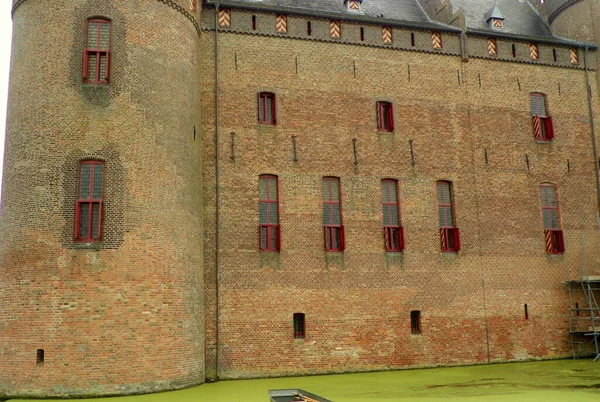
[{"x": 548, "y": 381}]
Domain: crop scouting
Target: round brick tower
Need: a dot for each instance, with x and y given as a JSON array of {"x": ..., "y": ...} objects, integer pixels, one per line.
[
  {"x": 574, "y": 19},
  {"x": 101, "y": 288}
]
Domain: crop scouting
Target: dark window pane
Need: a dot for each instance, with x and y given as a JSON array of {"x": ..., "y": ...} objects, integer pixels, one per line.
[
  {"x": 85, "y": 181},
  {"x": 273, "y": 213},
  {"x": 97, "y": 190},
  {"x": 95, "y": 220},
  {"x": 84, "y": 220}
]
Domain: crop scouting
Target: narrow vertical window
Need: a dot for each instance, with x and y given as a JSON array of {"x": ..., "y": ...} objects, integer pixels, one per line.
[
  {"x": 254, "y": 22},
  {"x": 308, "y": 28},
  {"x": 39, "y": 356},
  {"x": 526, "y": 311},
  {"x": 543, "y": 129},
  {"x": 268, "y": 210},
  {"x": 415, "y": 322},
  {"x": 449, "y": 235},
  {"x": 332, "y": 215},
  {"x": 392, "y": 232},
  {"x": 385, "y": 116},
  {"x": 96, "y": 60},
  {"x": 552, "y": 230},
  {"x": 88, "y": 214},
  {"x": 299, "y": 327},
  {"x": 554, "y": 55},
  {"x": 362, "y": 34},
  {"x": 514, "y": 50},
  {"x": 412, "y": 39},
  {"x": 266, "y": 108}
]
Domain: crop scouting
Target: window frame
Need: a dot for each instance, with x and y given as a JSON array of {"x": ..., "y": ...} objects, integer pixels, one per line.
[
  {"x": 553, "y": 237},
  {"x": 330, "y": 228},
  {"x": 384, "y": 108},
  {"x": 269, "y": 226},
  {"x": 262, "y": 98},
  {"x": 543, "y": 129},
  {"x": 449, "y": 234},
  {"x": 389, "y": 229},
  {"x": 90, "y": 201},
  {"x": 97, "y": 52}
]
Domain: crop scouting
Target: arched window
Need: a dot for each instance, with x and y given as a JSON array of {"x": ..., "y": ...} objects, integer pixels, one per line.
[
  {"x": 88, "y": 214},
  {"x": 268, "y": 211},
  {"x": 96, "y": 60},
  {"x": 542, "y": 122},
  {"x": 449, "y": 235}
]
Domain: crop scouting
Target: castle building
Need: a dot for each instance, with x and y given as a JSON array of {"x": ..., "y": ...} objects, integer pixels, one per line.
[{"x": 254, "y": 188}]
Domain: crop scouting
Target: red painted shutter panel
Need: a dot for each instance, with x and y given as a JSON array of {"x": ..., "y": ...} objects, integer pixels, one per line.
[
  {"x": 549, "y": 128},
  {"x": 537, "y": 127},
  {"x": 456, "y": 239}
]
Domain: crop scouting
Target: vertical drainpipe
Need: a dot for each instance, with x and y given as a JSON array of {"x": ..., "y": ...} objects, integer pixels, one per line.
[
  {"x": 217, "y": 194},
  {"x": 593, "y": 129}
]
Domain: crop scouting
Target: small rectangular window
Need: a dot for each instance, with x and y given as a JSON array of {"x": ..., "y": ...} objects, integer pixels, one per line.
[
  {"x": 299, "y": 327},
  {"x": 449, "y": 234},
  {"x": 362, "y": 34},
  {"x": 534, "y": 51},
  {"x": 266, "y": 108},
  {"x": 268, "y": 209},
  {"x": 332, "y": 215},
  {"x": 385, "y": 116},
  {"x": 552, "y": 230},
  {"x": 392, "y": 231},
  {"x": 254, "y": 22},
  {"x": 308, "y": 28},
  {"x": 415, "y": 322},
  {"x": 88, "y": 214},
  {"x": 96, "y": 60},
  {"x": 39, "y": 356},
  {"x": 543, "y": 129}
]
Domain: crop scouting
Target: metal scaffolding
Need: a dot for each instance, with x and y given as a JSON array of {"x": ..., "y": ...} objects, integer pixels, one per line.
[{"x": 584, "y": 317}]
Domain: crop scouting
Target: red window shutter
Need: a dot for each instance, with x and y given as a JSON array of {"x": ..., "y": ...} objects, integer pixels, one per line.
[
  {"x": 390, "y": 112},
  {"x": 342, "y": 239},
  {"x": 379, "y": 116},
  {"x": 85, "y": 65},
  {"x": 549, "y": 128},
  {"x": 456, "y": 239}
]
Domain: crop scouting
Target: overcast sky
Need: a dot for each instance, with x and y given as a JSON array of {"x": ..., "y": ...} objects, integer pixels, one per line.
[{"x": 5, "y": 37}]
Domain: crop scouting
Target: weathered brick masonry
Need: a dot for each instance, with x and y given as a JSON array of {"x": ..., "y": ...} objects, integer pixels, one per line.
[{"x": 154, "y": 306}]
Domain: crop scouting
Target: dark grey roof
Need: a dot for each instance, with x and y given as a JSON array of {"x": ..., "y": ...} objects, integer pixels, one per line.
[
  {"x": 519, "y": 18},
  {"x": 494, "y": 13},
  {"x": 403, "y": 10}
]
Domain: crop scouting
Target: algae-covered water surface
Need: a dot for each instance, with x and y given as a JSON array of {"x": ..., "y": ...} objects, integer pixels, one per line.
[{"x": 548, "y": 381}]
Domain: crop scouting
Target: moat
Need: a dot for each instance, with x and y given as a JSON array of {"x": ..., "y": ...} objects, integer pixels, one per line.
[{"x": 547, "y": 381}]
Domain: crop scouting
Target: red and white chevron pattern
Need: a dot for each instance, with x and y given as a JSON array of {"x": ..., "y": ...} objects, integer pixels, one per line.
[
  {"x": 354, "y": 5},
  {"x": 492, "y": 46},
  {"x": 386, "y": 34},
  {"x": 281, "y": 25},
  {"x": 335, "y": 29},
  {"x": 193, "y": 5},
  {"x": 533, "y": 51},
  {"x": 537, "y": 128},
  {"x": 225, "y": 17},
  {"x": 436, "y": 40},
  {"x": 574, "y": 56}
]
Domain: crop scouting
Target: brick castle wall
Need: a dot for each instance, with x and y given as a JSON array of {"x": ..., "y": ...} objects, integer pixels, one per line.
[
  {"x": 357, "y": 303},
  {"x": 124, "y": 315}
]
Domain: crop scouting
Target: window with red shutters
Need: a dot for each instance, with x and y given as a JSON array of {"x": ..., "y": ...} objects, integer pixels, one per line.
[
  {"x": 88, "y": 214},
  {"x": 385, "y": 116},
  {"x": 542, "y": 123},
  {"x": 266, "y": 108},
  {"x": 553, "y": 234},
  {"x": 96, "y": 59},
  {"x": 449, "y": 234},
  {"x": 268, "y": 211},
  {"x": 299, "y": 327},
  {"x": 332, "y": 215},
  {"x": 392, "y": 231}
]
